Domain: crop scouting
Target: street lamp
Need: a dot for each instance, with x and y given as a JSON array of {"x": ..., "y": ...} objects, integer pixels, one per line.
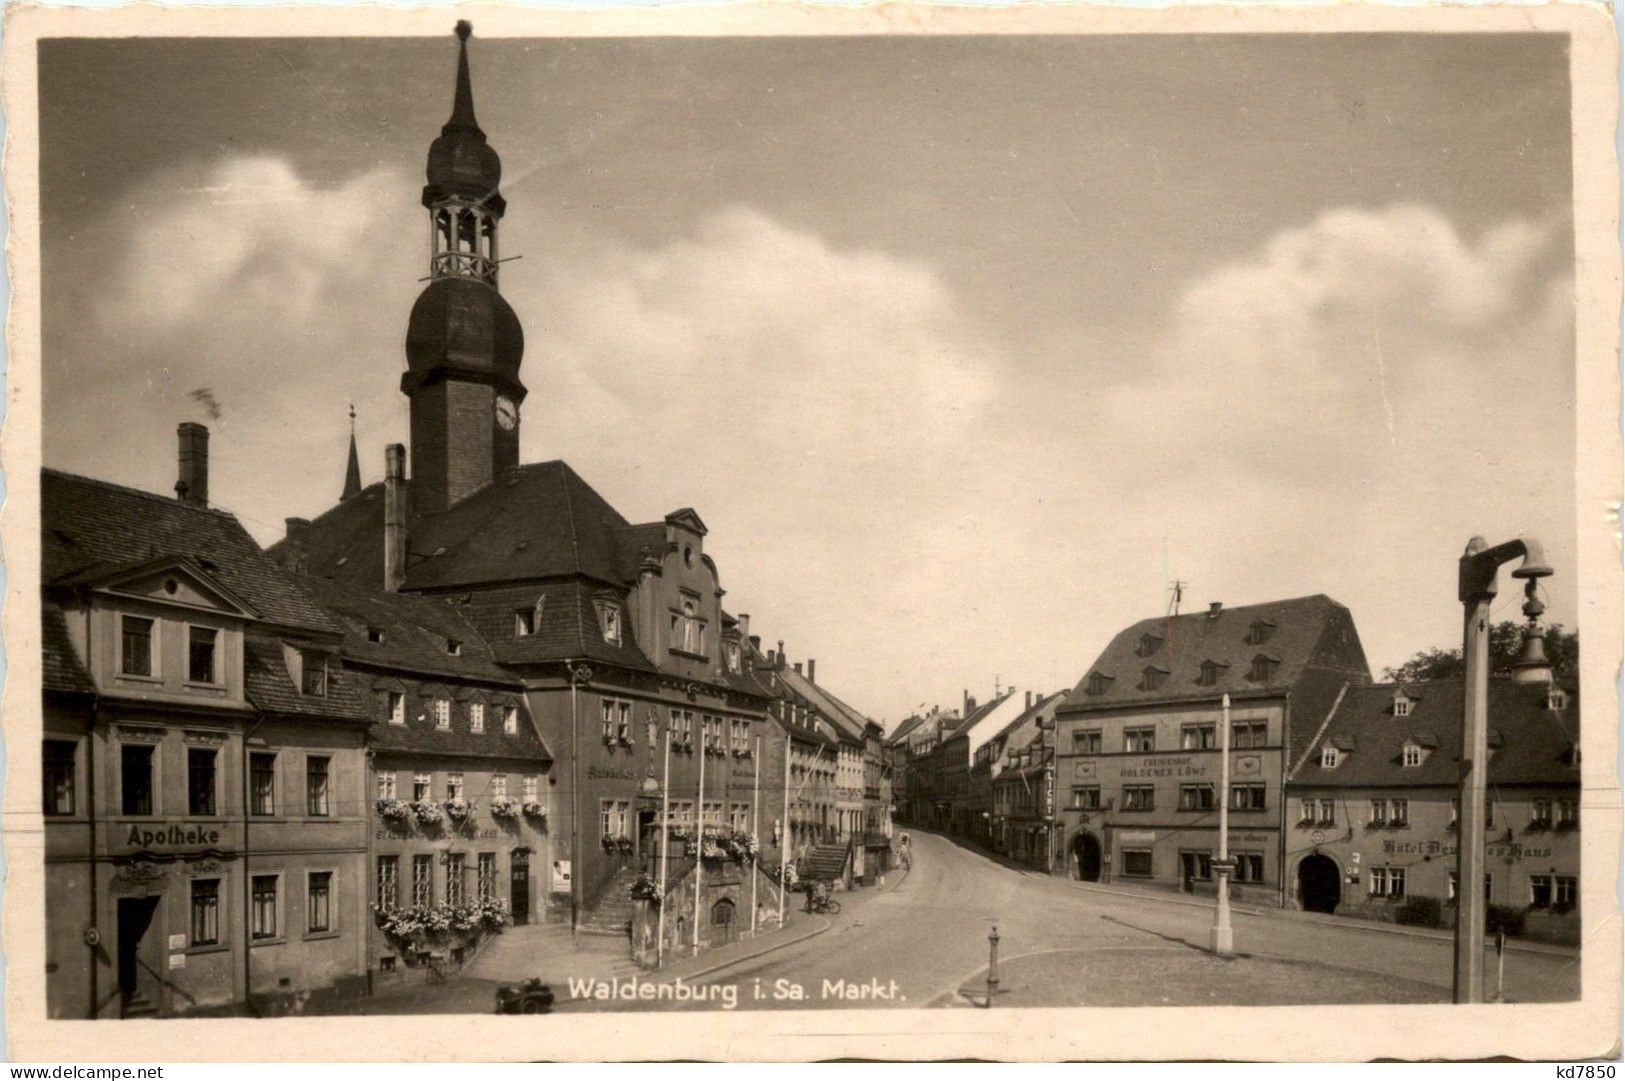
[{"x": 1476, "y": 589}]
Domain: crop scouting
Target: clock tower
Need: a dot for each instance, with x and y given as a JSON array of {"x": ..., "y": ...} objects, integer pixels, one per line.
[{"x": 463, "y": 341}]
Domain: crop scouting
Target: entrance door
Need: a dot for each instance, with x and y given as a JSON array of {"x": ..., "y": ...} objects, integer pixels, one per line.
[
  {"x": 648, "y": 839},
  {"x": 1087, "y": 850},
  {"x": 1320, "y": 887},
  {"x": 519, "y": 886},
  {"x": 134, "y": 917}
]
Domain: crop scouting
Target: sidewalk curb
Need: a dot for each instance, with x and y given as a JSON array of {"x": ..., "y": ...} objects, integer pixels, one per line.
[{"x": 742, "y": 958}]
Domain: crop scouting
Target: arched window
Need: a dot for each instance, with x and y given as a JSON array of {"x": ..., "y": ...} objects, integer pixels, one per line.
[{"x": 722, "y": 913}]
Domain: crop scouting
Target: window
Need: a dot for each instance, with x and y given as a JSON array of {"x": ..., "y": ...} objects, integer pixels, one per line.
[
  {"x": 1139, "y": 797},
  {"x": 1151, "y": 677},
  {"x": 609, "y": 616},
  {"x": 713, "y": 813},
  {"x": 1540, "y": 813},
  {"x": 688, "y": 630},
  {"x": 1194, "y": 797},
  {"x": 314, "y": 677},
  {"x": 262, "y": 782},
  {"x": 1410, "y": 755},
  {"x": 524, "y": 622},
  {"x": 389, "y": 882},
  {"x": 397, "y": 707},
  {"x": 454, "y": 786},
  {"x": 1252, "y": 734},
  {"x": 1086, "y": 742},
  {"x": 732, "y": 654},
  {"x": 1379, "y": 812},
  {"x": 1308, "y": 817},
  {"x": 1136, "y": 863},
  {"x": 722, "y": 913},
  {"x": 606, "y": 709},
  {"x": 1328, "y": 757},
  {"x": 1099, "y": 682},
  {"x": 135, "y": 646},
  {"x": 1139, "y": 739},
  {"x": 1259, "y": 632},
  {"x": 1402, "y": 706},
  {"x": 1399, "y": 813},
  {"x": 738, "y": 816},
  {"x": 1263, "y": 669},
  {"x": 510, "y": 720},
  {"x": 1565, "y": 892},
  {"x": 58, "y": 778},
  {"x": 532, "y": 789},
  {"x": 205, "y": 912},
  {"x": 422, "y": 787},
  {"x": 454, "y": 647},
  {"x": 612, "y": 818},
  {"x": 318, "y": 796},
  {"x": 454, "y": 878},
  {"x": 1210, "y": 673},
  {"x": 200, "y": 642},
  {"x": 1568, "y": 814},
  {"x": 499, "y": 786},
  {"x": 1086, "y": 798},
  {"x": 1328, "y": 812},
  {"x": 319, "y": 902},
  {"x": 442, "y": 713},
  {"x": 1387, "y": 881},
  {"x": 1450, "y": 886},
  {"x": 386, "y": 784},
  {"x": 200, "y": 769},
  {"x": 1556, "y": 699},
  {"x": 1247, "y": 797},
  {"x": 263, "y": 892},
  {"x": 1249, "y": 866},
  {"x": 375, "y": 635},
  {"x": 476, "y": 716},
  {"x": 1147, "y": 645},
  {"x": 135, "y": 778},
  {"x": 422, "y": 880},
  {"x": 485, "y": 878},
  {"x": 1197, "y": 737},
  {"x": 1540, "y": 891}
]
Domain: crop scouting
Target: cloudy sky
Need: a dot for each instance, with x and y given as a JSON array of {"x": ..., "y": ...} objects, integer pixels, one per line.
[{"x": 963, "y": 348}]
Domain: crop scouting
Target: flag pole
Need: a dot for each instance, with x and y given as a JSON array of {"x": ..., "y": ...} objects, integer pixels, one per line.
[
  {"x": 1223, "y": 937},
  {"x": 784, "y": 834},
  {"x": 755, "y": 823},
  {"x": 665, "y": 849},
  {"x": 699, "y": 833}
]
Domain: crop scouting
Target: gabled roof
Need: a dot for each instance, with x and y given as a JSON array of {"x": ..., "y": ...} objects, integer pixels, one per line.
[
  {"x": 846, "y": 720},
  {"x": 1303, "y": 633},
  {"x": 904, "y": 727},
  {"x": 1534, "y": 741},
  {"x": 568, "y": 629},
  {"x": 63, "y": 670},
  {"x": 91, "y": 528},
  {"x": 1031, "y": 714},
  {"x": 531, "y": 522},
  {"x": 269, "y": 687}
]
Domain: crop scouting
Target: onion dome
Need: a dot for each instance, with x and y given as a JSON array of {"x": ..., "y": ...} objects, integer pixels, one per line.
[
  {"x": 463, "y": 326},
  {"x": 461, "y": 164}
]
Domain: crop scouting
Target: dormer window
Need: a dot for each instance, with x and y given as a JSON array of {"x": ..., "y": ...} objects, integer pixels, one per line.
[
  {"x": 313, "y": 678},
  {"x": 1402, "y": 705},
  {"x": 1148, "y": 644},
  {"x": 1099, "y": 682},
  {"x": 1556, "y": 699},
  {"x": 1410, "y": 755},
  {"x": 1263, "y": 669},
  {"x": 1211, "y": 671},
  {"x": 1151, "y": 678},
  {"x": 733, "y": 657},
  {"x": 375, "y": 635},
  {"x": 524, "y": 622},
  {"x": 1329, "y": 757},
  {"x": 609, "y": 618},
  {"x": 1259, "y": 631},
  {"x": 454, "y": 647}
]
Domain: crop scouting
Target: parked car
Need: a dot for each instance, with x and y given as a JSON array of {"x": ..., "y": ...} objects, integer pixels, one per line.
[{"x": 529, "y": 996}]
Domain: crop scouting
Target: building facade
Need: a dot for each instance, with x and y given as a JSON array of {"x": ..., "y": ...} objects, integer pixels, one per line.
[{"x": 1137, "y": 760}]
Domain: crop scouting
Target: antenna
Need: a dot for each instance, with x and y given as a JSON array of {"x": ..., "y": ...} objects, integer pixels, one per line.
[{"x": 1176, "y": 593}]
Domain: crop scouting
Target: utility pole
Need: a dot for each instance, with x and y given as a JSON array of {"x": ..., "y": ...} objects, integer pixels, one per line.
[
  {"x": 1223, "y": 943},
  {"x": 1476, "y": 589}
]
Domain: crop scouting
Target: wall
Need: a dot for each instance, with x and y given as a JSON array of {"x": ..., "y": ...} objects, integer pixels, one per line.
[{"x": 723, "y": 880}]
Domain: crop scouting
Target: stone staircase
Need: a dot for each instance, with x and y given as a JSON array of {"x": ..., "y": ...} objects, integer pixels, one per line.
[
  {"x": 551, "y": 953},
  {"x": 614, "y": 909},
  {"x": 825, "y": 863},
  {"x": 138, "y": 1005}
]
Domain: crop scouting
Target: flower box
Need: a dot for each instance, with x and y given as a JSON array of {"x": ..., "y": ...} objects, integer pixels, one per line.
[
  {"x": 458, "y": 808},
  {"x": 534, "y": 809},
  {"x": 505, "y": 807},
  {"x": 394, "y": 810},
  {"x": 428, "y": 813}
]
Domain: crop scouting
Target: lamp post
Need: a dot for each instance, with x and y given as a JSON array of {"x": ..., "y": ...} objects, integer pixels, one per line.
[
  {"x": 1476, "y": 589},
  {"x": 1223, "y": 938}
]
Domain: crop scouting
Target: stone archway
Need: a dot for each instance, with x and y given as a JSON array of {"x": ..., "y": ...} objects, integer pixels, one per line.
[
  {"x": 1086, "y": 856},
  {"x": 1320, "y": 884}
]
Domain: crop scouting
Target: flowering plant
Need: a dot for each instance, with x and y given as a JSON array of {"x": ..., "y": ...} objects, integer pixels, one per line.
[
  {"x": 680, "y": 833},
  {"x": 534, "y": 809},
  {"x": 711, "y": 849},
  {"x": 505, "y": 807},
  {"x": 457, "y": 807},
  {"x": 645, "y": 888},
  {"x": 393, "y": 809},
  {"x": 490, "y": 912},
  {"x": 428, "y": 812}
]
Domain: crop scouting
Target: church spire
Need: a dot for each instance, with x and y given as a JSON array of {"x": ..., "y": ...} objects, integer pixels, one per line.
[
  {"x": 462, "y": 109},
  {"x": 352, "y": 472}
]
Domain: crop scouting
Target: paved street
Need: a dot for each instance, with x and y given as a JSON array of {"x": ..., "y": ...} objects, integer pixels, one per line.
[{"x": 920, "y": 941}]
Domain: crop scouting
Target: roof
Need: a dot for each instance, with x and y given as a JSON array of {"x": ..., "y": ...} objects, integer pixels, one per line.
[
  {"x": 269, "y": 687},
  {"x": 532, "y": 522},
  {"x": 1534, "y": 742},
  {"x": 415, "y": 632},
  {"x": 1295, "y": 638},
  {"x": 568, "y": 628},
  {"x": 846, "y": 720},
  {"x": 1033, "y": 712},
  {"x": 904, "y": 727},
  {"x": 90, "y": 527},
  {"x": 63, "y": 670},
  {"x": 419, "y": 735}
]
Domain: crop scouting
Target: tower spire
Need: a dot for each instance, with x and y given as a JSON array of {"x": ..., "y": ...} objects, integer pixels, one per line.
[
  {"x": 352, "y": 472},
  {"x": 462, "y": 108}
]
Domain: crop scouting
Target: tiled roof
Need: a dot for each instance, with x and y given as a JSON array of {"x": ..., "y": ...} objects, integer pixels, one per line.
[
  {"x": 89, "y": 526},
  {"x": 904, "y": 727},
  {"x": 63, "y": 669},
  {"x": 1299, "y": 634},
  {"x": 1534, "y": 742},
  {"x": 1033, "y": 712},
  {"x": 270, "y": 688},
  {"x": 420, "y": 736},
  {"x": 846, "y": 720},
  {"x": 532, "y": 522},
  {"x": 415, "y": 630},
  {"x": 568, "y": 629}
]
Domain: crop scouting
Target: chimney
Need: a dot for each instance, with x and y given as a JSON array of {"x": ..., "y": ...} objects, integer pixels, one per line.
[
  {"x": 394, "y": 516},
  {"x": 193, "y": 486},
  {"x": 1029, "y": 701},
  {"x": 812, "y": 669},
  {"x": 798, "y": 668},
  {"x": 296, "y": 560},
  {"x": 744, "y": 626},
  {"x": 965, "y": 702},
  {"x": 780, "y": 662},
  {"x": 1213, "y": 609}
]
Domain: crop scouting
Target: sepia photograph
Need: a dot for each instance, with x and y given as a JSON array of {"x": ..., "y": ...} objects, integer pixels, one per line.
[{"x": 880, "y": 524}]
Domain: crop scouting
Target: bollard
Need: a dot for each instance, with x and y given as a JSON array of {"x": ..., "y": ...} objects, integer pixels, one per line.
[
  {"x": 1500, "y": 963},
  {"x": 992, "y": 964}
]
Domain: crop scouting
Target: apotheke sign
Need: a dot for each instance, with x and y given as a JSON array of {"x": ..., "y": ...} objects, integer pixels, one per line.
[{"x": 172, "y": 836}]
